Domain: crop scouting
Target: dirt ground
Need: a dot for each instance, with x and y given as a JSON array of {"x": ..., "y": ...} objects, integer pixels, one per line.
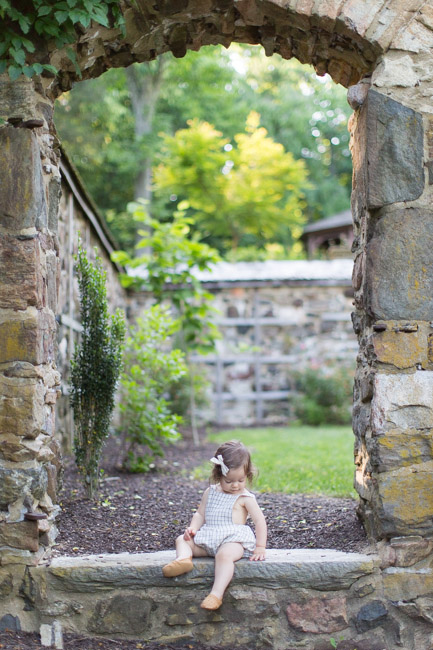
[{"x": 146, "y": 512}]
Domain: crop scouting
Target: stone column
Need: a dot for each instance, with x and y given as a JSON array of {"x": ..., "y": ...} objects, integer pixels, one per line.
[
  {"x": 392, "y": 142},
  {"x": 29, "y": 278}
]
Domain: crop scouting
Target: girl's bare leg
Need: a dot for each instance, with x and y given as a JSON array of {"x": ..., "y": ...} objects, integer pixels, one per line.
[
  {"x": 225, "y": 560},
  {"x": 186, "y": 549}
]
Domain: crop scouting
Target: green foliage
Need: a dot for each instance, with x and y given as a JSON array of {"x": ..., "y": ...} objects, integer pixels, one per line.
[
  {"x": 95, "y": 368},
  {"x": 180, "y": 393},
  {"x": 168, "y": 263},
  {"x": 252, "y": 190},
  {"x": 45, "y": 20},
  {"x": 308, "y": 116},
  {"x": 297, "y": 459},
  {"x": 325, "y": 397},
  {"x": 151, "y": 370}
]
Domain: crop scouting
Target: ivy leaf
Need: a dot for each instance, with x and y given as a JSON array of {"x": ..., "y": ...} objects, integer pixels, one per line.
[
  {"x": 18, "y": 56},
  {"x": 14, "y": 72},
  {"x": 29, "y": 71},
  {"x": 30, "y": 47},
  {"x": 61, "y": 16},
  {"x": 44, "y": 10},
  {"x": 73, "y": 57},
  {"x": 99, "y": 15},
  {"x": 50, "y": 68},
  {"x": 2, "y": 66},
  {"x": 38, "y": 68},
  {"x": 24, "y": 23}
]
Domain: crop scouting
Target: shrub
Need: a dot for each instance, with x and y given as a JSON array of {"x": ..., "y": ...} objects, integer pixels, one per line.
[
  {"x": 323, "y": 397},
  {"x": 151, "y": 369},
  {"x": 95, "y": 369},
  {"x": 180, "y": 392}
]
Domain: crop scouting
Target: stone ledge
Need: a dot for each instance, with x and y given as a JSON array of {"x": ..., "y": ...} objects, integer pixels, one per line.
[
  {"x": 297, "y": 598},
  {"x": 321, "y": 569}
]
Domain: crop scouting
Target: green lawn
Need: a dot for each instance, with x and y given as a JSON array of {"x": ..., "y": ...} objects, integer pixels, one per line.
[{"x": 298, "y": 459}]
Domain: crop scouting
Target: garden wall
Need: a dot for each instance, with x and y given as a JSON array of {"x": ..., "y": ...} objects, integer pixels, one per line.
[
  {"x": 78, "y": 217},
  {"x": 296, "y": 599},
  {"x": 276, "y": 318}
]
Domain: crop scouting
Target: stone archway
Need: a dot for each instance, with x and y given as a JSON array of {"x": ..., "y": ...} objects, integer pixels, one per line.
[{"x": 381, "y": 50}]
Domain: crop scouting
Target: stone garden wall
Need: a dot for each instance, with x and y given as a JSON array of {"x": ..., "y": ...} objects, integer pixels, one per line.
[
  {"x": 78, "y": 217},
  {"x": 275, "y": 319}
]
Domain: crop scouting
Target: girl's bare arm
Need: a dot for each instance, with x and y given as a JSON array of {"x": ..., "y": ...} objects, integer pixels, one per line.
[
  {"x": 259, "y": 520},
  {"x": 198, "y": 518}
]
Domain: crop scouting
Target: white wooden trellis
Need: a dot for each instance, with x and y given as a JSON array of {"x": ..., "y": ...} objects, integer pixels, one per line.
[{"x": 258, "y": 396}]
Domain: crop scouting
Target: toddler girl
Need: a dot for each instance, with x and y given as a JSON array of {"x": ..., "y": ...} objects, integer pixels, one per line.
[{"x": 218, "y": 527}]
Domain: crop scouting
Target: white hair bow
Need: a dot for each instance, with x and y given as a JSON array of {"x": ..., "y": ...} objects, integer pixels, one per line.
[{"x": 220, "y": 461}]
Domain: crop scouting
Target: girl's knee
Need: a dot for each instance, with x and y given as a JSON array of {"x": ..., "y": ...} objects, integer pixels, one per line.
[{"x": 233, "y": 552}]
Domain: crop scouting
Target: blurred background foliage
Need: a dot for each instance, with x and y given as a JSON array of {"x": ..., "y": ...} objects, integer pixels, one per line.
[{"x": 122, "y": 127}]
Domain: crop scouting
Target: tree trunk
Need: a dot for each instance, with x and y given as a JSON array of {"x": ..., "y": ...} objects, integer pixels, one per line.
[{"x": 144, "y": 83}]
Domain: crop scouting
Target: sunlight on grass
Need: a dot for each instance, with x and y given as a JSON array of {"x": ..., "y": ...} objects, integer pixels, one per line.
[{"x": 304, "y": 460}]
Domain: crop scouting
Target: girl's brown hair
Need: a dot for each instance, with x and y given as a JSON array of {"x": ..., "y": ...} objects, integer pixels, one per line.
[{"x": 235, "y": 455}]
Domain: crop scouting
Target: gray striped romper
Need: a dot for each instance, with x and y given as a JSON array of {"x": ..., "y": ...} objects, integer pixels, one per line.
[{"x": 219, "y": 527}]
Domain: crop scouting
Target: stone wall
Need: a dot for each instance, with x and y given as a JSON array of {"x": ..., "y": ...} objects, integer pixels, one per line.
[
  {"x": 78, "y": 216},
  {"x": 29, "y": 380},
  {"x": 296, "y": 599},
  {"x": 270, "y": 331}
]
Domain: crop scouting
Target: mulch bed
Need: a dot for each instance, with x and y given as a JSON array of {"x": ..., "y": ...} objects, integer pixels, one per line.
[{"x": 146, "y": 512}]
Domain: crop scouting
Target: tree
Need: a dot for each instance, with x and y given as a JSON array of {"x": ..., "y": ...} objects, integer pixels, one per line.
[
  {"x": 308, "y": 115},
  {"x": 248, "y": 192},
  {"x": 95, "y": 369},
  {"x": 111, "y": 126}
]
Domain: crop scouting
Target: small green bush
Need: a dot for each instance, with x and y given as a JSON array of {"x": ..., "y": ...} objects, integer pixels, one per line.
[
  {"x": 95, "y": 369},
  {"x": 150, "y": 370},
  {"x": 324, "y": 396}
]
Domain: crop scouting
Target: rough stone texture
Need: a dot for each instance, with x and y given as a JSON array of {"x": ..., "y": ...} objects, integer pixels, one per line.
[
  {"x": 404, "y": 344},
  {"x": 22, "y": 410},
  {"x": 371, "y": 615},
  {"x": 318, "y": 615},
  {"x": 399, "y": 275},
  {"x": 402, "y": 398},
  {"x": 407, "y": 583},
  {"x": 21, "y": 266},
  {"x": 21, "y": 187},
  {"x": 411, "y": 549},
  {"x": 27, "y": 336},
  {"x": 22, "y": 535},
  {"x": 18, "y": 482},
  {"x": 405, "y": 500},
  {"x": 126, "y": 596},
  {"x": 120, "y": 613},
  {"x": 324, "y": 570},
  {"x": 391, "y": 130}
]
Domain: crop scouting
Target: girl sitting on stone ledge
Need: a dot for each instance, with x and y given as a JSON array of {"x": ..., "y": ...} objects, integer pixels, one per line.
[{"x": 218, "y": 527}]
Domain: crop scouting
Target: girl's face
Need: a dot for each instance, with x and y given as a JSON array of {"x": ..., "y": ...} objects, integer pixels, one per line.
[{"x": 234, "y": 481}]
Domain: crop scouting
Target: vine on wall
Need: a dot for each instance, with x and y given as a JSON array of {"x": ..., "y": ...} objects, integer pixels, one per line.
[{"x": 27, "y": 30}]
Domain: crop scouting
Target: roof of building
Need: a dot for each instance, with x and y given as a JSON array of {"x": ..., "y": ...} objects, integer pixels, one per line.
[
  {"x": 279, "y": 270},
  {"x": 329, "y": 223}
]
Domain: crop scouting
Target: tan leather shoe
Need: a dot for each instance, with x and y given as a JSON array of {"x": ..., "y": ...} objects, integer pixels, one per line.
[
  {"x": 177, "y": 567},
  {"x": 211, "y": 602}
]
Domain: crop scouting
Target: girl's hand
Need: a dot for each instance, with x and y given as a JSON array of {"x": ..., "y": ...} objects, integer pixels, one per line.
[
  {"x": 189, "y": 534},
  {"x": 259, "y": 553}
]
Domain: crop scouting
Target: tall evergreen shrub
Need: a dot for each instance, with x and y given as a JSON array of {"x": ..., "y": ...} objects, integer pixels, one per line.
[{"x": 95, "y": 369}]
